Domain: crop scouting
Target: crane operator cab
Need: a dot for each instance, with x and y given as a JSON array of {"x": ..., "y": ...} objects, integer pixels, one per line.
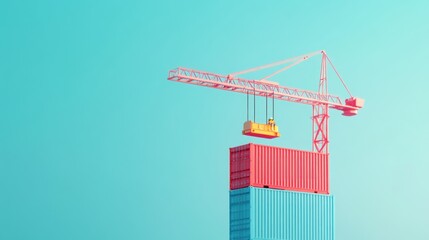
[{"x": 269, "y": 130}]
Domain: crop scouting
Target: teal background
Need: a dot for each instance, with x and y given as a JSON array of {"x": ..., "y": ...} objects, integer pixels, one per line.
[{"x": 97, "y": 144}]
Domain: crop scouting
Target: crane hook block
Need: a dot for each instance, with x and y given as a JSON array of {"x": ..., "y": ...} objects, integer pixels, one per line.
[{"x": 269, "y": 130}]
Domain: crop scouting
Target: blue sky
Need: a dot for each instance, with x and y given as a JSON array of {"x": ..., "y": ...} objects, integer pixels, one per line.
[{"x": 97, "y": 144}]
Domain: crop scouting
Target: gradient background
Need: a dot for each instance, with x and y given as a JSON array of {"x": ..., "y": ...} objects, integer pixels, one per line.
[{"x": 97, "y": 144}]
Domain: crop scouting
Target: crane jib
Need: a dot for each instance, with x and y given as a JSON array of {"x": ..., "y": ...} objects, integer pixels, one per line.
[{"x": 260, "y": 88}]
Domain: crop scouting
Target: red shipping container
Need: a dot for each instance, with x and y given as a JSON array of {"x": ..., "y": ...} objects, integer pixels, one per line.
[{"x": 281, "y": 168}]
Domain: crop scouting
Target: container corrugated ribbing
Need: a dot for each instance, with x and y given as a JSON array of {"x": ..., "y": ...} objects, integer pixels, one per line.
[
  {"x": 261, "y": 213},
  {"x": 280, "y": 168}
]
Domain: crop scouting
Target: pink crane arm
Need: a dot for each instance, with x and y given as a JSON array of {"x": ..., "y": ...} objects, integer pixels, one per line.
[{"x": 261, "y": 88}]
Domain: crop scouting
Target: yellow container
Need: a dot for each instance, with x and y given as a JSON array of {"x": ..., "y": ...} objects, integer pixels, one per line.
[{"x": 260, "y": 130}]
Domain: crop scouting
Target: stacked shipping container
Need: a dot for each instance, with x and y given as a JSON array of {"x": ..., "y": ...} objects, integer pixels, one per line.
[
  {"x": 280, "y": 168},
  {"x": 270, "y": 199}
]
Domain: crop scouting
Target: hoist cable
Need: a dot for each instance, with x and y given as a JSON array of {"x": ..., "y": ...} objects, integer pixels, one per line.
[
  {"x": 266, "y": 107},
  {"x": 254, "y": 102},
  {"x": 247, "y": 106},
  {"x": 273, "y": 105}
]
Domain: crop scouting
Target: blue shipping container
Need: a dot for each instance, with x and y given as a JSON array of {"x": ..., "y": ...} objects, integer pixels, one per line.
[{"x": 262, "y": 213}]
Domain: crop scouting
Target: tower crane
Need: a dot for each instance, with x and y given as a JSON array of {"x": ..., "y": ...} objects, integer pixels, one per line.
[{"x": 321, "y": 101}]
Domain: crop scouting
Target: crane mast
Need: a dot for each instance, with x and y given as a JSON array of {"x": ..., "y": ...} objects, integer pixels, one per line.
[
  {"x": 321, "y": 114},
  {"x": 321, "y": 101}
]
